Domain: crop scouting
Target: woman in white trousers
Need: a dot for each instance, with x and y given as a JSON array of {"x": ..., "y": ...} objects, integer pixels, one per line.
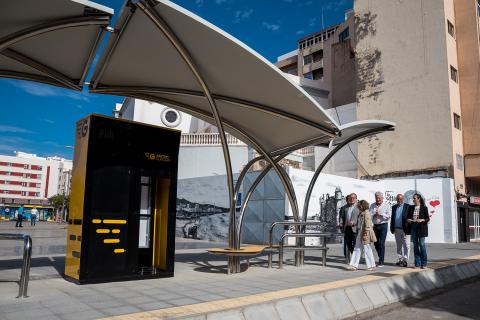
[{"x": 365, "y": 236}]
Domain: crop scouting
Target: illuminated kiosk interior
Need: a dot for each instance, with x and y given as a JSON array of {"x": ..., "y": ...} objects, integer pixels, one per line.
[{"x": 122, "y": 204}]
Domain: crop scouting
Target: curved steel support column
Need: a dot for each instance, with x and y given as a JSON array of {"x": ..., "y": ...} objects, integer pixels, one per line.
[
  {"x": 250, "y": 193},
  {"x": 183, "y": 52},
  {"x": 48, "y": 27},
  {"x": 234, "y": 101},
  {"x": 54, "y": 74},
  {"x": 243, "y": 173},
  {"x": 327, "y": 158}
]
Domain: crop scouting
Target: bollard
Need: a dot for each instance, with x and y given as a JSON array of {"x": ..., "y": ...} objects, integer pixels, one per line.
[{"x": 27, "y": 259}]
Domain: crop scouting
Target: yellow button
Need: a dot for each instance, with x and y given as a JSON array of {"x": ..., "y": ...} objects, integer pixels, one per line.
[
  {"x": 97, "y": 221},
  {"x": 103, "y": 230},
  {"x": 119, "y": 250},
  {"x": 111, "y": 240},
  {"x": 113, "y": 221},
  {"x": 116, "y": 231}
]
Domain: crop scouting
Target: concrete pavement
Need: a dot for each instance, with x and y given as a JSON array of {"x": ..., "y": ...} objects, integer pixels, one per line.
[{"x": 199, "y": 278}]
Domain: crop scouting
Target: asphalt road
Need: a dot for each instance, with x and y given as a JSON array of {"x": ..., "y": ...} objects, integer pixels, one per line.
[{"x": 458, "y": 303}]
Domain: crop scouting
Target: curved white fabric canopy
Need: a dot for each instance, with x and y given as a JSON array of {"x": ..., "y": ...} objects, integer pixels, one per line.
[
  {"x": 50, "y": 41},
  {"x": 251, "y": 94}
]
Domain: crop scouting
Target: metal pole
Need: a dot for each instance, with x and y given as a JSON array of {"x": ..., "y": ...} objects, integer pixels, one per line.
[
  {"x": 25, "y": 275},
  {"x": 325, "y": 161},
  {"x": 183, "y": 52}
]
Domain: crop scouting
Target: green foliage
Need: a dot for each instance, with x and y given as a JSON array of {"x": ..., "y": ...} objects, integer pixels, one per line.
[{"x": 59, "y": 201}]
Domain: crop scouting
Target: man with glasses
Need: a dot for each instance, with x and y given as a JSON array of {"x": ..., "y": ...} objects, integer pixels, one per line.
[
  {"x": 398, "y": 227},
  {"x": 381, "y": 213}
]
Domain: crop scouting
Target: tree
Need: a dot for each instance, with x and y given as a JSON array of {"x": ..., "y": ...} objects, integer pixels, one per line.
[{"x": 59, "y": 202}]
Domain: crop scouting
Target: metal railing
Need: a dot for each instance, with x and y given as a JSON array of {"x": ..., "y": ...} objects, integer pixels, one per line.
[
  {"x": 323, "y": 247},
  {"x": 27, "y": 259},
  {"x": 286, "y": 223}
]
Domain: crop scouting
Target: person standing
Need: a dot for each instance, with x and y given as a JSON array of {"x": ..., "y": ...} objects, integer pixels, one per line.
[
  {"x": 398, "y": 227},
  {"x": 347, "y": 220},
  {"x": 33, "y": 216},
  {"x": 365, "y": 236},
  {"x": 381, "y": 213},
  {"x": 417, "y": 219},
  {"x": 19, "y": 217}
]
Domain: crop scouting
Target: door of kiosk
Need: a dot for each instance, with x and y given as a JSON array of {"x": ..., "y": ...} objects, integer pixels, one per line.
[{"x": 122, "y": 202}]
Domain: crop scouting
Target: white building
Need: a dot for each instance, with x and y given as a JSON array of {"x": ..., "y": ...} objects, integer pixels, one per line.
[{"x": 26, "y": 178}]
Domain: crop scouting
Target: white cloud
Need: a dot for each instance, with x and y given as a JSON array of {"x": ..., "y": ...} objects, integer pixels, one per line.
[
  {"x": 47, "y": 120},
  {"x": 270, "y": 26},
  {"x": 43, "y": 90},
  {"x": 242, "y": 14},
  {"x": 298, "y": 32},
  {"x": 4, "y": 128},
  {"x": 312, "y": 22},
  {"x": 10, "y": 144}
]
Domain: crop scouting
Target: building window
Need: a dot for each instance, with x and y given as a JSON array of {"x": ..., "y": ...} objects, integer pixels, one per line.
[
  {"x": 317, "y": 74},
  {"x": 459, "y": 160},
  {"x": 451, "y": 28},
  {"x": 343, "y": 35},
  {"x": 453, "y": 74},
  {"x": 308, "y": 75},
  {"x": 307, "y": 59},
  {"x": 456, "y": 121},
  {"x": 317, "y": 55}
]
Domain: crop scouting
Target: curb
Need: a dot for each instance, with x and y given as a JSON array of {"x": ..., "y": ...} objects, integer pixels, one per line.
[{"x": 336, "y": 300}]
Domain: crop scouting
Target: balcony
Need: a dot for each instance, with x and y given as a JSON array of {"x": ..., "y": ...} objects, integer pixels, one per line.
[{"x": 207, "y": 139}]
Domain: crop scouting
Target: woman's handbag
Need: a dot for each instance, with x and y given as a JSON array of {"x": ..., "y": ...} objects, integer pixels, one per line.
[{"x": 373, "y": 238}]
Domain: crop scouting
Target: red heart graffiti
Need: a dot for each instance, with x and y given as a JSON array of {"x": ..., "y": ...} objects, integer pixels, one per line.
[{"x": 434, "y": 203}]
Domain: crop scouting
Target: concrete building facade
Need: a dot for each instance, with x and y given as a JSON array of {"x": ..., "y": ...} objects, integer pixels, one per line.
[
  {"x": 28, "y": 179},
  {"x": 412, "y": 74}
]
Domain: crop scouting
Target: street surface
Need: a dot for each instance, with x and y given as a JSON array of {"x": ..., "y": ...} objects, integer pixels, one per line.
[{"x": 459, "y": 303}]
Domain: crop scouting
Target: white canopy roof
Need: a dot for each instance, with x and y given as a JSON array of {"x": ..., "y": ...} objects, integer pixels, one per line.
[
  {"x": 255, "y": 100},
  {"x": 50, "y": 41}
]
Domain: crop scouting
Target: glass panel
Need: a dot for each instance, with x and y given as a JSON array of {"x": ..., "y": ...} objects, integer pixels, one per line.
[
  {"x": 145, "y": 180},
  {"x": 145, "y": 200},
  {"x": 143, "y": 236}
]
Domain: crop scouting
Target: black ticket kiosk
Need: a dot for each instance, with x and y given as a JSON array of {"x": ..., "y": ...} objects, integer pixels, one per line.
[{"x": 121, "y": 221}]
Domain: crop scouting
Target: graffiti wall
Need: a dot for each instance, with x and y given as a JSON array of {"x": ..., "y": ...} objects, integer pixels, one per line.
[
  {"x": 438, "y": 194},
  {"x": 202, "y": 204}
]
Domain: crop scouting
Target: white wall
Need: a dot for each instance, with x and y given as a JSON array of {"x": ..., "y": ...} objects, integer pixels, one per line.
[
  {"x": 202, "y": 161},
  {"x": 438, "y": 194}
]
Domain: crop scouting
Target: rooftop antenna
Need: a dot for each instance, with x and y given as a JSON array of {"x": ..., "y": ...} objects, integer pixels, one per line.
[{"x": 323, "y": 26}]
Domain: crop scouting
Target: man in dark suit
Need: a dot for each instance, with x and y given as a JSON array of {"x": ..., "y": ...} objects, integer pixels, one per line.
[
  {"x": 398, "y": 227},
  {"x": 347, "y": 220}
]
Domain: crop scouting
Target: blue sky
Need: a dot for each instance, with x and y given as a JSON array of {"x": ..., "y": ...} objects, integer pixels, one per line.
[{"x": 40, "y": 119}]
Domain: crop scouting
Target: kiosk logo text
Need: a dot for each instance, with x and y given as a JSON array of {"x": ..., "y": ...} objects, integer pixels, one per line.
[{"x": 157, "y": 157}]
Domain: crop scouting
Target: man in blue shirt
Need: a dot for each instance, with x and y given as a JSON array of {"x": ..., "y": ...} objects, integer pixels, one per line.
[
  {"x": 19, "y": 217},
  {"x": 398, "y": 226}
]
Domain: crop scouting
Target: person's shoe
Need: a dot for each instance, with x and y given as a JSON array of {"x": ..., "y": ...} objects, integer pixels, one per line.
[
  {"x": 371, "y": 269},
  {"x": 399, "y": 263},
  {"x": 380, "y": 265},
  {"x": 415, "y": 267},
  {"x": 351, "y": 268},
  {"x": 423, "y": 267},
  {"x": 404, "y": 264}
]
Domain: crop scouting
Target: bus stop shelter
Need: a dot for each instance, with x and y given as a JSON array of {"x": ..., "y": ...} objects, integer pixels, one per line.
[{"x": 160, "y": 52}]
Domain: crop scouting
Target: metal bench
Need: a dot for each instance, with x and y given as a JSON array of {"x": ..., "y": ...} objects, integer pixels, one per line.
[
  {"x": 246, "y": 252},
  {"x": 323, "y": 247}
]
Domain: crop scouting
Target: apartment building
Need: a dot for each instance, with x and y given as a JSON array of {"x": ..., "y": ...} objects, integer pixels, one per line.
[{"x": 28, "y": 179}]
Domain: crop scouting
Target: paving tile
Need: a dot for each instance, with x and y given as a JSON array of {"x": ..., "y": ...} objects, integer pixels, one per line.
[
  {"x": 226, "y": 315},
  {"x": 359, "y": 298},
  {"x": 293, "y": 308},
  {"x": 317, "y": 307},
  {"x": 260, "y": 312},
  {"x": 339, "y": 303}
]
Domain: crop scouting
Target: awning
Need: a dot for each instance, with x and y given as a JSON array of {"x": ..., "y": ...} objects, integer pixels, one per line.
[
  {"x": 50, "y": 41},
  {"x": 255, "y": 100}
]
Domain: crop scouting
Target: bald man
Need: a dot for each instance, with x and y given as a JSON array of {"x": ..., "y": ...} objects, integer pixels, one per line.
[{"x": 398, "y": 227}]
